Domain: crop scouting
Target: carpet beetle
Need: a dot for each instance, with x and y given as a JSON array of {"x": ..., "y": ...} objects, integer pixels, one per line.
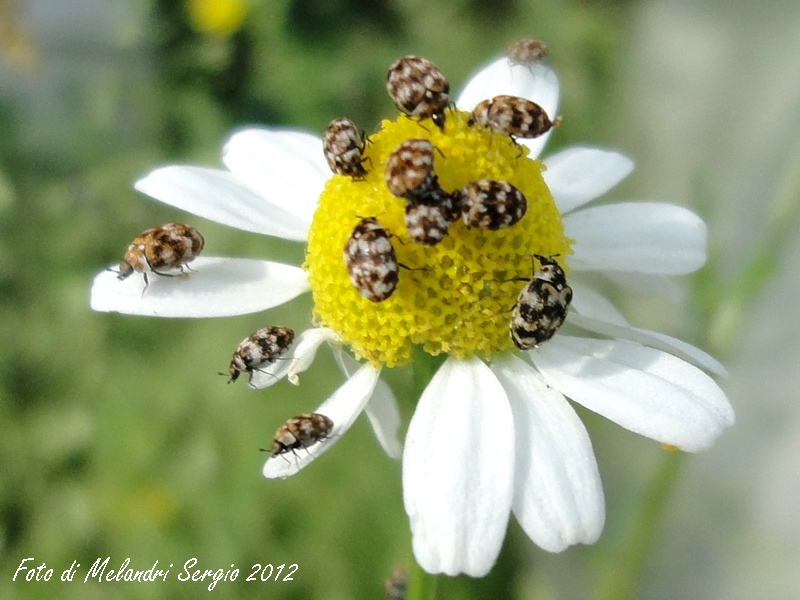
[
  {"x": 541, "y": 306},
  {"x": 343, "y": 146},
  {"x": 409, "y": 169},
  {"x": 418, "y": 88},
  {"x": 301, "y": 431},
  {"x": 428, "y": 217},
  {"x": 527, "y": 51},
  {"x": 155, "y": 250},
  {"x": 259, "y": 349},
  {"x": 514, "y": 116},
  {"x": 410, "y": 175},
  {"x": 492, "y": 205},
  {"x": 371, "y": 261},
  {"x": 396, "y": 586}
]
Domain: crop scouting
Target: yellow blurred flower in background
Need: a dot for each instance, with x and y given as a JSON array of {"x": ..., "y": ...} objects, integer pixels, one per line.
[{"x": 217, "y": 17}]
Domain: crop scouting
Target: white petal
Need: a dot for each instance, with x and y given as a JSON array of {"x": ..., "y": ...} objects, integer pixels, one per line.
[
  {"x": 458, "y": 466},
  {"x": 644, "y": 390},
  {"x": 558, "y": 496},
  {"x": 589, "y": 302},
  {"x": 652, "y": 339},
  {"x": 647, "y": 284},
  {"x": 578, "y": 175},
  {"x": 269, "y": 374},
  {"x": 343, "y": 407},
  {"x": 218, "y": 195},
  {"x": 284, "y": 166},
  {"x": 382, "y": 410},
  {"x": 305, "y": 349},
  {"x": 297, "y": 359},
  {"x": 216, "y": 287},
  {"x": 534, "y": 82},
  {"x": 637, "y": 236}
]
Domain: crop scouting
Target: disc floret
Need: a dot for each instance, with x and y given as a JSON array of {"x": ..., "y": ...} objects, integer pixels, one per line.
[{"x": 456, "y": 296}]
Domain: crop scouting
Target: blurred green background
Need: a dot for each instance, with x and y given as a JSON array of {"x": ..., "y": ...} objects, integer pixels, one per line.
[{"x": 117, "y": 436}]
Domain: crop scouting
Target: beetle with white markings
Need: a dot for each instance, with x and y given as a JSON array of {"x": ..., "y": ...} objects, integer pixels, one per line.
[
  {"x": 541, "y": 307},
  {"x": 410, "y": 175},
  {"x": 514, "y": 116},
  {"x": 159, "y": 250},
  {"x": 302, "y": 431},
  {"x": 527, "y": 51},
  {"x": 256, "y": 351},
  {"x": 492, "y": 205},
  {"x": 343, "y": 145},
  {"x": 418, "y": 88},
  {"x": 409, "y": 169},
  {"x": 428, "y": 218},
  {"x": 371, "y": 261}
]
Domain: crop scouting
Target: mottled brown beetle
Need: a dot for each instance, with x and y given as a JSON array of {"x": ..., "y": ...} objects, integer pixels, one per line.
[
  {"x": 514, "y": 116},
  {"x": 301, "y": 431},
  {"x": 541, "y": 306},
  {"x": 371, "y": 260},
  {"x": 410, "y": 175},
  {"x": 167, "y": 247},
  {"x": 492, "y": 205},
  {"x": 261, "y": 348},
  {"x": 418, "y": 88},
  {"x": 427, "y": 218},
  {"x": 409, "y": 169},
  {"x": 527, "y": 51},
  {"x": 343, "y": 146}
]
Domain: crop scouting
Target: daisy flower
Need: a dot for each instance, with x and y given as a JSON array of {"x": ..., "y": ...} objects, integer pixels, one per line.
[{"x": 493, "y": 433}]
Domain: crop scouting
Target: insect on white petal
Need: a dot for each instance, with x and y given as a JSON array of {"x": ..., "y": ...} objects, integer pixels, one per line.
[
  {"x": 418, "y": 88},
  {"x": 255, "y": 351},
  {"x": 514, "y": 116},
  {"x": 541, "y": 306},
  {"x": 160, "y": 250},
  {"x": 302, "y": 431},
  {"x": 527, "y": 51},
  {"x": 343, "y": 146}
]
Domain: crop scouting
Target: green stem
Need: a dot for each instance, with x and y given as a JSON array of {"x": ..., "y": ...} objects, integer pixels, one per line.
[
  {"x": 622, "y": 573},
  {"x": 727, "y": 310},
  {"x": 421, "y": 585}
]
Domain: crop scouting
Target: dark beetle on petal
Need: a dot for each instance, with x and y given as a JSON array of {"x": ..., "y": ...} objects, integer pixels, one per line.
[
  {"x": 161, "y": 249},
  {"x": 527, "y": 51},
  {"x": 541, "y": 307},
  {"x": 261, "y": 348},
  {"x": 513, "y": 116},
  {"x": 302, "y": 431},
  {"x": 343, "y": 146}
]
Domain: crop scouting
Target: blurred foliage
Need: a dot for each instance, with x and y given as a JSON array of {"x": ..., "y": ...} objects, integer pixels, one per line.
[{"x": 118, "y": 437}]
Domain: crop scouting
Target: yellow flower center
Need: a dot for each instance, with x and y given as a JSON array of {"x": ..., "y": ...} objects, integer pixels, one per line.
[{"x": 455, "y": 297}]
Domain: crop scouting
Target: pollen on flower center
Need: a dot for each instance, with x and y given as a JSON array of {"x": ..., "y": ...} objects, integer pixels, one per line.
[{"x": 456, "y": 296}]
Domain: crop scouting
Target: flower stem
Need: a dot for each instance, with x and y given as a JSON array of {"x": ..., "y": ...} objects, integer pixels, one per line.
[
  {"x": 622, "y": 572},
  {"x": 421, "y": 585},
  {"x": 727, "y": 304}
]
